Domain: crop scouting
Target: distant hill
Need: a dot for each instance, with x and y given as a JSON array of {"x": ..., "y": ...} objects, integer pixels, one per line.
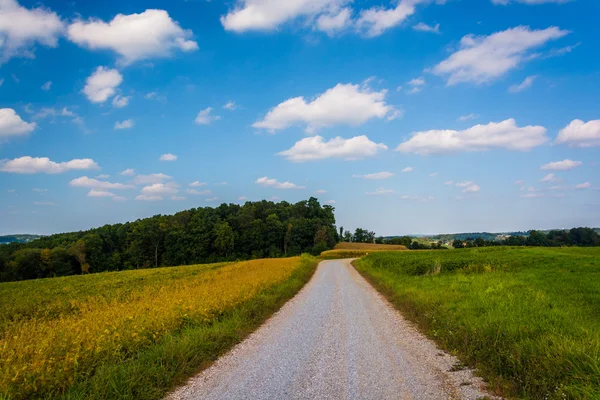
[
  {"x": 18, "y": 238},
  {"x": 449, "y": 237}
]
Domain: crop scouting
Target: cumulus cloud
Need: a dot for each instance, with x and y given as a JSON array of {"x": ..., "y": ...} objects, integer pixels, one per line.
[
  {"x": 317, "y": 148},
  {"x": 422, "y": 27},
  {"x": 127, "y": 124},
  {"x": 197, "y": 184},
  {"x": 145, "y": 197},
  {"x": 160, "y": 189},
  {"x": 204, "y": 117},
  {"x": 502, "y": 135},
  {"x": 407, "y": 169},
  {"x": 128, "y": 172},
  {"x": 92, "y": 183},
  {"x": 461, "y": 184},
  {"x": 34, "y": 165},
  {"x": 377, "y": 175},
  {"x": 380, "y": 192},
  {"x": 134, "y": 37},
  {"x": 265, "y": 181},
  {"x": 376, "y": 20},
  {"x": 11, "y": 124},
  {"x": 21, "y": 29},
  {"x": 471, "y": 189},
  {"x": 150, "y": 179},
  {"x": 230, "y": 105},
  {"x": 105, "y": 193},
  {"x": 585, "y": 185},
  {"x": 580, "y": 134},
  {"x": 344, "y": 104},
  {"x": 523, "y": 85},
  {"x": 482, "y": 59},
  {"x": 564, "y": 165},
  {"x": 120, "y": 101},
  {"x": 168, "y": 157},
  {"x": 102, "y": 84},
  {"x": 335, "y": 22},
  {"x": 549, "y": 178}
]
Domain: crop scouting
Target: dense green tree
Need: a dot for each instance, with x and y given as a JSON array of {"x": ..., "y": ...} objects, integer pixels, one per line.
[{"x": 224, "y": 239}]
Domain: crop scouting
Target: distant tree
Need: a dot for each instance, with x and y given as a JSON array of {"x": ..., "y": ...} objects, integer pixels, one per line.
[
  {"x": 341, "y": 232},
  {"x": 479, "y": 242},
  {"x": 458, "y": 244},
  {"x": 348, "y": 237},
  {"x": 224, "y": 239}
]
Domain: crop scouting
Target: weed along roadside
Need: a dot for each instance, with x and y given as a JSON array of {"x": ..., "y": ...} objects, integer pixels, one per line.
[
  {"x": 134, "y": 334},
  {"x": 525, "y": 318}
]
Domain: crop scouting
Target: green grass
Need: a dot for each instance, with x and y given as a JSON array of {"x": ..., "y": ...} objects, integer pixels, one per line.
[{"x": 527, "y": 318}]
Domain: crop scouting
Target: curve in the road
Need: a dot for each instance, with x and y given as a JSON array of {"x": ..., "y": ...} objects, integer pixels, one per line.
[{"x": 337, "y": 339}]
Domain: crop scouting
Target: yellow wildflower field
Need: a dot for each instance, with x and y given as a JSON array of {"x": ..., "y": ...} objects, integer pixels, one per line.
[{"x": 56, "y": 332}]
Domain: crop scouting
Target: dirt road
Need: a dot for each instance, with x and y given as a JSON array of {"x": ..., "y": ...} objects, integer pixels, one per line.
[{"x": 337, "y": 339}]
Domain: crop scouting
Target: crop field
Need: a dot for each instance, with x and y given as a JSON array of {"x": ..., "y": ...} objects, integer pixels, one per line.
[
  {"x": 355, "y": 250},
  {"x": 134, "y": 334},
  {"x": 527, "y": 318}
]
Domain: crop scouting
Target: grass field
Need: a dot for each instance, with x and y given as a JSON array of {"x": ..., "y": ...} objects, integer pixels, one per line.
[
  {"x": 527, "y": 318},
  {"x": 133, "y": 334},
  {"x": 355, "y": 250}
]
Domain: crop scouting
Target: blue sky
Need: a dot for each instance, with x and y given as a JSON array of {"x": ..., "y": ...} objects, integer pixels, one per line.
[{"x": 410, "y": 116}]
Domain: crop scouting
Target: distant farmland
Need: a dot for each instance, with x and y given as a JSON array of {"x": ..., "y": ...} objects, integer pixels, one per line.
[{"x": 353, "y": 249}]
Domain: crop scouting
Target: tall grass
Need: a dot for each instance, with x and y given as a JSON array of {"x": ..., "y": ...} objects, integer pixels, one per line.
[
  {"x": 528, "y": 319},
  {"x": 134, "y": 334}
]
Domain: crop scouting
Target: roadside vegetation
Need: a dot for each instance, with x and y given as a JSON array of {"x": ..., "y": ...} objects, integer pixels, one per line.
[
  {"x": 526, "y": 318},
  {"x": 134, "y": 334}
]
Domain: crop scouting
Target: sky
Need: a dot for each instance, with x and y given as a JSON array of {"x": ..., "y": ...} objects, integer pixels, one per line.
[{"x": 408, "y": 116}]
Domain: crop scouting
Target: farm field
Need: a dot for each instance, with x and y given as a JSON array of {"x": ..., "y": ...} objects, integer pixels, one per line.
[
  {"x": 353, "y": 249},
  {"x": 134, "y": 334},
  {"x": 527, "y": 318}
]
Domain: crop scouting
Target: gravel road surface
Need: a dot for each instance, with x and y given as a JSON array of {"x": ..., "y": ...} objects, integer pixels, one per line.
[{"x": 337, "y": 339}]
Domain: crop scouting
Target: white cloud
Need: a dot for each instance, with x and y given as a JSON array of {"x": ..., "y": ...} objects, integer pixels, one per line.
[
  {"x": 549, "y": 178},
  {"x": 102, "y": 176},
  {"x": 199, "y": 192},
  {"x": 120, "y": 101},
  {"x": 204, "y": 117},
  {"x": 11, "y": 124},
  {"x": 343, "y": 104},
  {"x": 585, "y": 185},
  {"x": 467, "y": 117},
  {"x": 335, "y": 22},
  {"x": 421, "y": 199},
  {"x": 128, "y": 172},
  {"x": 105, "y": 193},
  {"x": 380, "y": 192},
  {"x": 482, "y": 59},
  {"x": 150, "y": 179},
  {"x": 472, "y": 189},
  {"x": 102, "y": 84},
  {"x": 168, "y": 157},
  {"x": 47, "y": 86},
  {"x": 503, "y": 135},
  {"x": 160, "y": 189},
  {"x": 34, "y": 165},
  {"x": 580, "y": 134},
  {"x": 274, "y": 183},
  {"x": 331, "y": 202},
  {"x": 242, "y": 198},
  {"x": 422, "y": 27},
  {"x": 461, "y": 184},
  {"x": 408, "y": 169},
  {"x": 317, "y": 148},
  {"x": 145, "y": 197},
  {"x": 197, "y": 184},
  {"x": 414, "y": 90},
  {"x": 127, "y": 124},
  {"x": 420, "y": 81},
  {"x": 377, "y": 175},
  {"x": 564, "y": 165},
  {"x": 230, "y": 105},
  {"x": 433, "y": 174},
  {"x": 523, "y": 85},
  {"x": 134, "y": 37},
  {"x": 21, "y": 29},
  {"x": 449, "y": 183},
  {"x": 374, "y": 21},
  {"x": 92, "y": 183}
]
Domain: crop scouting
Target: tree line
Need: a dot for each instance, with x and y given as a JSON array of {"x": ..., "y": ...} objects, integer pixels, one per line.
[
  {"x": 583, "y": 237},
  {"x": 201, "y": 235}
]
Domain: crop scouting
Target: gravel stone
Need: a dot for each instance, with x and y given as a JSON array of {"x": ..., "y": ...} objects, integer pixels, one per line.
[{"x": 337, "y": 339}]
